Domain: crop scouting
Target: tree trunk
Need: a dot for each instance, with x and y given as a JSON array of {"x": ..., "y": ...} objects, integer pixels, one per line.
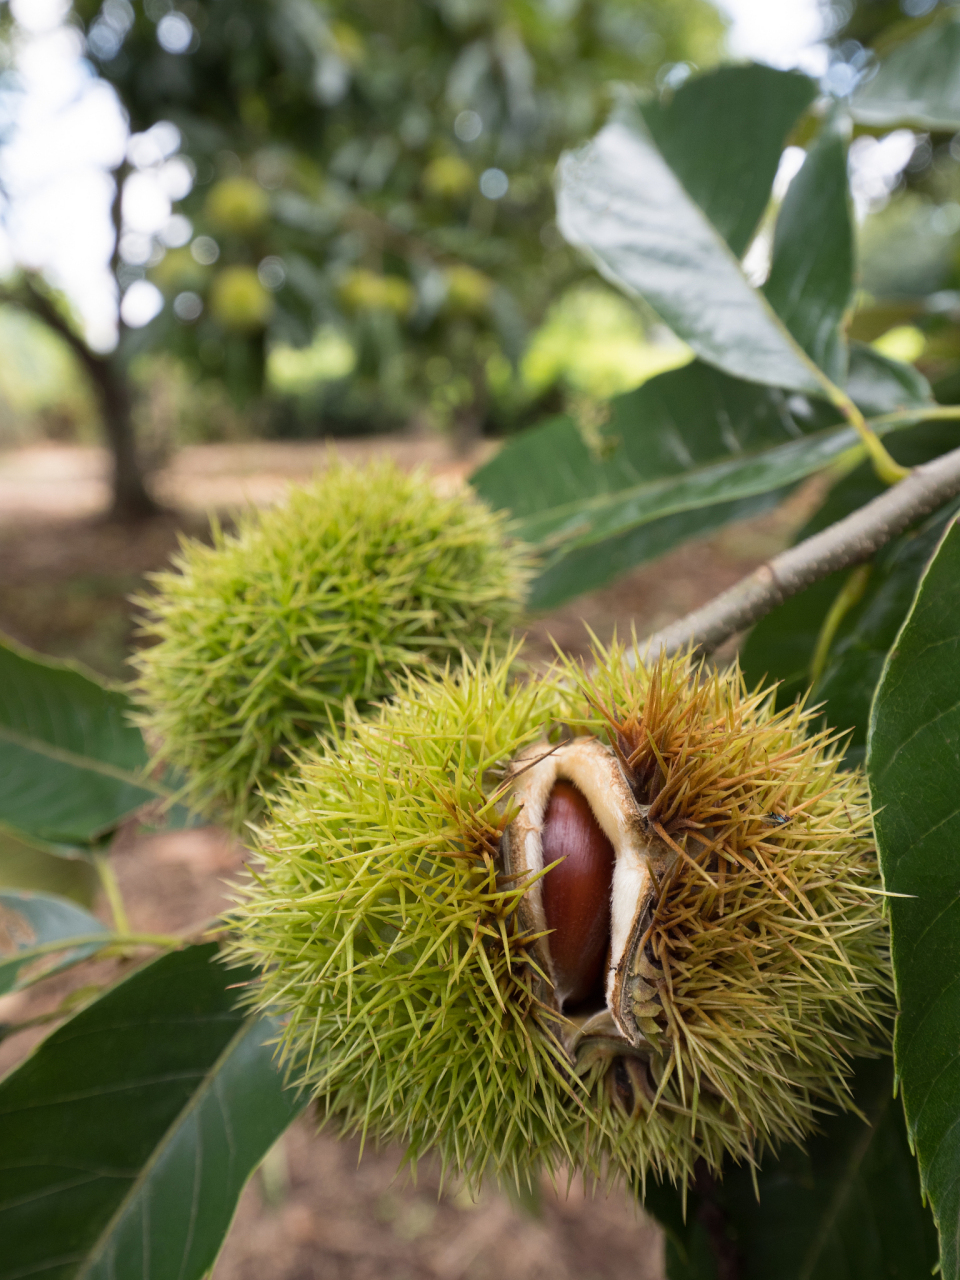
[
  {"x": 468, "y": 422},
  {"x": 131, "y": 501}
]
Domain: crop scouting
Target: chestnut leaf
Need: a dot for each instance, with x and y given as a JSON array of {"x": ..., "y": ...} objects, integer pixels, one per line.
[
  {"x": 913, "y": 765},
  {"x": 128, "y": 1135}
]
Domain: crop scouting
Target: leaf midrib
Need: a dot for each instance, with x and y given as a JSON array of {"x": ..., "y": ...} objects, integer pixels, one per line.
[
  {"x": 88, "y": 764},
  {"x": 600, "y": 502},
  {"x": 206, "y": 1083},
  {"x": 583, "y": 507}
]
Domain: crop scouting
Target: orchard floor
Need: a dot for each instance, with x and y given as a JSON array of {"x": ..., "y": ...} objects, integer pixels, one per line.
[{"x": 315, "y": 1209}]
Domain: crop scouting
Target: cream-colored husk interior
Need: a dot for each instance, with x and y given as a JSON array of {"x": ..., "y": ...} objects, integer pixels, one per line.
[{"x": 595, "y": 771}]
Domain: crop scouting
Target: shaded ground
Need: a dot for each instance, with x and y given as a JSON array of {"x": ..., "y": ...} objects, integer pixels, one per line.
[
  {"x": 66, "y": 576},
  {"x": 369, "y": 1225},
  {"x": 313, "y": 1210}
]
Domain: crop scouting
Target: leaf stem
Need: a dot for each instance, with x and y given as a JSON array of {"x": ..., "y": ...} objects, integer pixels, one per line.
[
  {"x": 849, "y": 594},
  {"x": 101, "y": 940},
  {"x": 166, "y": 941},
  {"x": 887, "y": 468},
  {"x": 928, "y": 413},
  {"x": 111, "y": 888}
]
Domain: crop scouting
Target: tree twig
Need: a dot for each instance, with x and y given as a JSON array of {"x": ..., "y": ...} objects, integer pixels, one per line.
[{"x": 848, "y": 542}]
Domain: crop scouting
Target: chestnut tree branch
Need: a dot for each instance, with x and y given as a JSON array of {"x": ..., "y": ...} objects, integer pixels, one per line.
[{"x": 848, "y": 542}]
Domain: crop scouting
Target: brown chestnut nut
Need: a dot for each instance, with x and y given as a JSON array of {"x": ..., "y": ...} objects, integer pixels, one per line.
[
  {"x": 576, "y": 894},
  {"x": 577, "y": 819}
]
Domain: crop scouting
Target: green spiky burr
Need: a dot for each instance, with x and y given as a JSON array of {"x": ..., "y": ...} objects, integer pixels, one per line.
[
  {"x": 307, "y": 609},
  {"x": 403, "y": 920}
]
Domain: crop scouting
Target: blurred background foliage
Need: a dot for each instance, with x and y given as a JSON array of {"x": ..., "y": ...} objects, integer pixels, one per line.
[
  {"x": 909, "y": 250},
  {"x": 362, "y": 235},
  {"x": 364, "y": 209}
]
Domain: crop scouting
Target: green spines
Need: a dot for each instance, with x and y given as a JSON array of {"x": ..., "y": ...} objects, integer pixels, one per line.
[
  {"x": 388, "y": 934},
  {"x": 267, "y": 637}
]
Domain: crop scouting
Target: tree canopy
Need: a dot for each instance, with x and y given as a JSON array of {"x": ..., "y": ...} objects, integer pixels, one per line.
[{"x": 382, "y": 174}]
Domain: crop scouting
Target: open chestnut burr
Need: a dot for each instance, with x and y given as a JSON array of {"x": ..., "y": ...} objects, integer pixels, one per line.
[
  {"x": 658, "y": 942},
  {"x": 590, "y": 913}
]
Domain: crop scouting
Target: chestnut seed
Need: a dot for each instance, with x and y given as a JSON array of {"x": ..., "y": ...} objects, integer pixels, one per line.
[{"x": 576, "y": 894}]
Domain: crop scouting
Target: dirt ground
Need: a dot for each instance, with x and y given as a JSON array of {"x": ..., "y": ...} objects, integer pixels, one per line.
[
  {"x": 66, "y": 575},
  {"x": 314, "y": 1210}
]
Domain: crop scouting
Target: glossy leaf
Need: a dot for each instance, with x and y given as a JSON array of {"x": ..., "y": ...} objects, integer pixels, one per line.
[
  {"x": 781, "y": 646},
  {"x": 913, "y": 764},
  {"x": 846, "y": 684},
  {"x": 723, "y": 133},
  {"x": 71, "y": 764},
  {"x": 38, "y": 927},
  {"x": 858, "y": 653},
  {"x": 620, "y": 202},
  {"x": 591, "y": 520},
  {"x": 847, "y": 1207},
  {"x": 681, "y": 422},
  {"x": 918, "y": 84},
  {"x": 811, "y": 272},
  {"x": 128, "y": 1135},
  {"x": 682, "y": 455}
]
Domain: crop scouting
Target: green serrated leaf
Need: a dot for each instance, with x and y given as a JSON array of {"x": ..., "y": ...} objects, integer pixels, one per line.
[
  {"x": 71, "y": 764},
  {"x": 723, "y": 133},
  {"x": 846, "y": 1208},
  {"x": 918, "y": 84},
  {"x": 40, "y": 927},
  {"x": 589, "y": 567},
  {"x": 913, "y": 764},
  {"x": 811, "y": 273},
  {"x": 128, "y": 1135},
  {"x": 856, "y": 655},
  {"x": 864, "y": 638},
  {"x": 780, "y": 647},
  {"x": 682, "y": 455},
  {"x": 592, "y": 520},
  {"x": 681, "y": 422}
]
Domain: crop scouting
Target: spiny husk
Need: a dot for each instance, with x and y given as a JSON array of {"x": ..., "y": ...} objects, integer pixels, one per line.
[
  {"x": 769, "y": 929},
  {"x": 389, "y": 937},
  {"x": 263, "y": 639}
]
